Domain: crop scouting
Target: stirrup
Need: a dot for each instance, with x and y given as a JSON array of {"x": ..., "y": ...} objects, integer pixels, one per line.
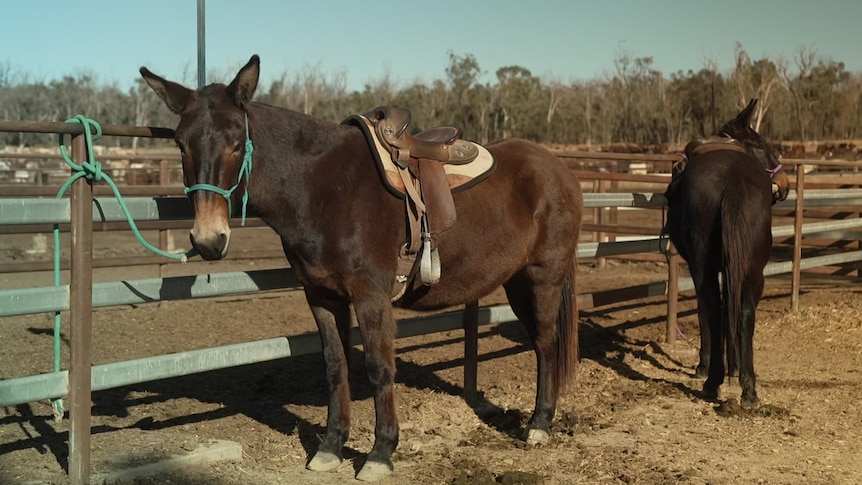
[{"x": 429, "y": 264}]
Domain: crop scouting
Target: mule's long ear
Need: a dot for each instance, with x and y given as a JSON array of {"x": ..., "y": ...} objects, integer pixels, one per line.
[
  {"x": 744, "y": 116},
  {"x": 174, "y": 95},
  {"x": 244, "y": 84}
]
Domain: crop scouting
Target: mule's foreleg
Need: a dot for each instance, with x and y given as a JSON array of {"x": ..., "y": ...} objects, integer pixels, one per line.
[
  {"x": 333, "y": 323},
  {"x": 377, "y": 328}
]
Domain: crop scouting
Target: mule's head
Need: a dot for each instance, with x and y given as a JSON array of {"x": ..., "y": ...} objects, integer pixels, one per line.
[
  {"x": 213, "y": 138},
  {"x": 740, "y": 129}
]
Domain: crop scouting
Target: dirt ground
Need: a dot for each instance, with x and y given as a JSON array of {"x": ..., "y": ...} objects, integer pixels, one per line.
[{"x": 633, "y": 415}]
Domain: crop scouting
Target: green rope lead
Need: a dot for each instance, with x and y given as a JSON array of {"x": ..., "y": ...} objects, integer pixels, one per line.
[{"x": 92, "y": 170}]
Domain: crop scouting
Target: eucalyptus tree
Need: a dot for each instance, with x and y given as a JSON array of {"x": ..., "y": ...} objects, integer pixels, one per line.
[
  {"x": 518, "y": 92},
  {"x": 829, "y": 81},
  {"x": 800, "y": 86},
  {"x": 755, "y": 79},
  {"x": 558, "y": 100},
  {"x": 700, "y": 94},
  {"x": 463, "y": 73},
  {"x": 635, "y": 88}
]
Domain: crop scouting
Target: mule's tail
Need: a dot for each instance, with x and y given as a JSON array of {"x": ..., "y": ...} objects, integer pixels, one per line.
[
  {"x": 567, "y": 331},
  {"x": 736, "y": 254}
]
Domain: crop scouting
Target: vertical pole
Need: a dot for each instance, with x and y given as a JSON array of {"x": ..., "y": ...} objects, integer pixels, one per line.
[
  {"x": 601, "y": 221},
  {"x": 164, "y": 173},
  {"x": 797, "y": 238},
  {"x": 471, "y": 352},
  {"x": 613, "y": 211},
  {"x": 164, "y": 234},
  {"x": 80, "y": 321},
  {"x": 202, "y": 51},
  {"x": 596, "y": 211},
  {"x": 672, "y": 293}
]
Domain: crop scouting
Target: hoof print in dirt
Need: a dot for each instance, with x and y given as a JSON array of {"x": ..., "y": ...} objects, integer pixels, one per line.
[
  {"x": 730, "y": 408},
  {"x": 481, "y": 476}
]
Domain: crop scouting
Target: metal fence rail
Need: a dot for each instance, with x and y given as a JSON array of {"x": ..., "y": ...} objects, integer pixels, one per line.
[{"x": 108, "y": 376}]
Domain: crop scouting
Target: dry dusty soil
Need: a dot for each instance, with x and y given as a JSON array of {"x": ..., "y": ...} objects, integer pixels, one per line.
[{"x": 633, "y": 415}]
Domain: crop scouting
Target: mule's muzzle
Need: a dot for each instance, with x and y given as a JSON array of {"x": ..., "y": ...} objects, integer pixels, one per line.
[
  {"x": 779, "y": 193},
  {"x": 211, "y": 248},
  {"x": 780, "y": 187}
]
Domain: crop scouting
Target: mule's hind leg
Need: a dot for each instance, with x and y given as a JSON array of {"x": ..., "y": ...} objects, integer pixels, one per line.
[
  {"x": 711, "y": 329},
  {"x": 538, "y": 307},
  {"x": 752, "y": 291},
  {"x": 731, "y": 359},
  {"x": 702, "y": 369},
  {"x": 377, "y": 328},
  {"x": 333, "y": 323},
  {"x": 708, "y": 319}
]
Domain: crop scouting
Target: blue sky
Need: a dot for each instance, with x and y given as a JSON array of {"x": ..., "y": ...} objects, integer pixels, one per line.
[{"x": 566, "y": 40}]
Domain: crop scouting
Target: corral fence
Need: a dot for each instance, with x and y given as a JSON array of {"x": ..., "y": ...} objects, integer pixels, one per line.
[{"x": 26, "y": 209}]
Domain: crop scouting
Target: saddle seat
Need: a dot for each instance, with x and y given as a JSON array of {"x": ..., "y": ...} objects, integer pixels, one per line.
[
  {"x": 440, "y": 143},
  {"x": 713, "y": 143},
  {"x": 704, "y": 145},
  {"x": 699, "y": 147},
  {"x": 424, "y": 170}
]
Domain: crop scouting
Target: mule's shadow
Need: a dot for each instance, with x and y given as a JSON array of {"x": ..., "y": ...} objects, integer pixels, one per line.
[
  {"x": 266, "y": 391},
  {"x": 608, "y": 345}
]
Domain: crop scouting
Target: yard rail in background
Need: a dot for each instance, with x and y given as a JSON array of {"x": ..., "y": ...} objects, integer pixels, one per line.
[{"x": 168, "y": 210}]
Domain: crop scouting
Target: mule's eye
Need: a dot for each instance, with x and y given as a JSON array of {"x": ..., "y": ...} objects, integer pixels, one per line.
[{"x": 237, "y": 148}]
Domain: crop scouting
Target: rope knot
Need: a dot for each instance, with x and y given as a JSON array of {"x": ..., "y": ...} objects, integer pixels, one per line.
[{"x": 92, "y": 170}]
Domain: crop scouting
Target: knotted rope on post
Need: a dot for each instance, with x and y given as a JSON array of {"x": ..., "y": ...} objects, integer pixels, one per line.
[{"x": 91, "y": 169}]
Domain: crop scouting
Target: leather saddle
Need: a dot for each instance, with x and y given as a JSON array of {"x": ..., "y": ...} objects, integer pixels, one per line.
[
  {"x": 699, "y": 147},
  {"x": 441, "y": 143},
  {"x": 424, "y": 170},
  {"x": 711, "y": 144}
]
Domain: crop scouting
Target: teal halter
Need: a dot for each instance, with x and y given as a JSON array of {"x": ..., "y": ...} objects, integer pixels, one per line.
[{"x": 245, "y": 169}]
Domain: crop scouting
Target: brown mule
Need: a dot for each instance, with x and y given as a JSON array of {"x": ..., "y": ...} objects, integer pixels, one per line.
[
  {"x": 315, "y": 183},
  {"x": 719, "y": 218}
]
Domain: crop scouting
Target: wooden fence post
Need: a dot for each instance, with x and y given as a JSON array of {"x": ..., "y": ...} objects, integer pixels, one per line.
[
  {"x": 601, "y": 220},
  {"x": 672, "y": 293},
  {"x": 797, "y": 238},
  {"x": 471, "y": 352},
  {"x": 80, "y": 320}
]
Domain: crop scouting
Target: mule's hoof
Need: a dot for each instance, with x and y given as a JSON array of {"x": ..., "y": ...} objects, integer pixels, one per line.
[
  {"x": 324, "y": 462},
  {"x": 373, "y": 471},
  {"x": 701, "y": 371},
  {"x": 711, "y": 393},
  {"x": 537, "y": 437},
  {"x": 749, "y": 402}
]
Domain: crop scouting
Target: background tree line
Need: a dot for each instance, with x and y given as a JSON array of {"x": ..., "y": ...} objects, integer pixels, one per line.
[{"x": 805, "y": 98}]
